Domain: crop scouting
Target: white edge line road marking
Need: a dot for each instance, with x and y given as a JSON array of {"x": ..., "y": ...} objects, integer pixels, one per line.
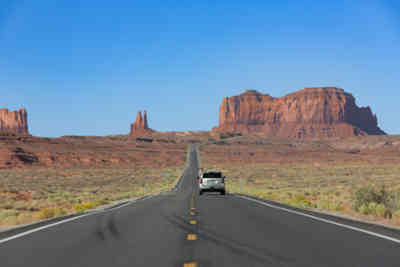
[
  {"x": 67, "y": 220},
  {"x": 323, "y": 220},
  {"x": 180, "y": 182},
  {"x": 178, "y": 185}
]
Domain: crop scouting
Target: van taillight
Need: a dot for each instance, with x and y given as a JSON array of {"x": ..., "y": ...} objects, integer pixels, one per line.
[
  {"x": 223, "y": 180},
  {"x": 201, "y": 181}
]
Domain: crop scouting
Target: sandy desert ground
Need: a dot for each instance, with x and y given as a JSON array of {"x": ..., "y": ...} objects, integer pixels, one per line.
[
  {"x": 47, "y": 177},
  {"x": 357, "y": 176},
  {"x": 41, "y": 178}
]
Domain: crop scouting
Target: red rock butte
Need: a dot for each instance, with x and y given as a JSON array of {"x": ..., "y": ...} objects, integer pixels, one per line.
[
  {"x": 308, "y": 113},
  {"x": 140, "y": 126},
  {"x": 15, "y": 122}
]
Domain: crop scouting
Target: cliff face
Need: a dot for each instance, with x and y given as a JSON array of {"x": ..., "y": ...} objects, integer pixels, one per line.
[
  {"x": 14, "y": 121},
  {"x": 308, "y": 113},
  {"x": 140, "y": 126}
]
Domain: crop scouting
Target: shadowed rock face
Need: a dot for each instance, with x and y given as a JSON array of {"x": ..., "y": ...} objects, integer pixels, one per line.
[
  {"x": 308, "y": 113},
  {"x": 14, "y": 121},
  {"x": 140, "y": 126}
]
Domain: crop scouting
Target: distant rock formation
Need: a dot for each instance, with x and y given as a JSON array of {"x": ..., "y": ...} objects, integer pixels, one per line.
[
  {"x": 141, "y": 126},
  {"x": 15, "y": 122},
  {"x": 308, "y": 113}
]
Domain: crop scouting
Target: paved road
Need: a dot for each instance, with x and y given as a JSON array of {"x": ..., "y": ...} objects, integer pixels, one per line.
[{"x": 230, "y": 231}]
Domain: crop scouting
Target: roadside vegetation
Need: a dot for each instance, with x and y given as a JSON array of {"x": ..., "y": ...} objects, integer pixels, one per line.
[
  {"x": 366, "y": 191},
  {"x": 28, "y": 195}
]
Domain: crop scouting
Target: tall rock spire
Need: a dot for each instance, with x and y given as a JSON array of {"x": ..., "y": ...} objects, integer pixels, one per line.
[
  {"x": 139, "y": 118},
  {"x": 140, "y": 126}
]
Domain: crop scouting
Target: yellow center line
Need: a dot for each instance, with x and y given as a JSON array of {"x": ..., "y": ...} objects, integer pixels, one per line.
[
  {"x": 192, "y": 204},
  {"x": 191, "y": 237},
  {"x": 190, "y": 264}
]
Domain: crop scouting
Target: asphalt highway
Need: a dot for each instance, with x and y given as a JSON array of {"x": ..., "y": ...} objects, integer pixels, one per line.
[{"x": 181, "y": 228}]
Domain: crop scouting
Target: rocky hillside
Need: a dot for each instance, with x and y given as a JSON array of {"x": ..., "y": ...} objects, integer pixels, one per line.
[
  {"x": 308, "y": 113},
  {"x": 15, "y": 122},
  {"x": 89, "y": 151}
]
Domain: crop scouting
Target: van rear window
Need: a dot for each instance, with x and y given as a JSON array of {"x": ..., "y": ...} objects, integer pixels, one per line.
[{"x": 212, "y": 175}]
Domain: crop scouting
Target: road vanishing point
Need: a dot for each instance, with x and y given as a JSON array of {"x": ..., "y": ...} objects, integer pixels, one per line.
[{"x": 181, "y": 228}]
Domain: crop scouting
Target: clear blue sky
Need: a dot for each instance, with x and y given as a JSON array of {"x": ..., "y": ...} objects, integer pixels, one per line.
[{"x": 87, "y": 67}]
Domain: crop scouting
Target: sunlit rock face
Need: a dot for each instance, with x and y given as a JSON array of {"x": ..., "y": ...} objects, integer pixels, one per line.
[
  {"x": 308, "y": 113},
  {"x": 15, "y": 122},
  {"x": 140, "y": 126}
]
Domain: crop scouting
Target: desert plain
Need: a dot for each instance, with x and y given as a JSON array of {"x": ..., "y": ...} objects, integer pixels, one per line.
[{"x": 312, "y": 149}]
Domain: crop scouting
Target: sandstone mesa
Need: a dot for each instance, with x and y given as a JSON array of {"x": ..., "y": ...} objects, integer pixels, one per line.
[
  {"x": 308, "y": 113},
  {"x": 15, "y": 122}
]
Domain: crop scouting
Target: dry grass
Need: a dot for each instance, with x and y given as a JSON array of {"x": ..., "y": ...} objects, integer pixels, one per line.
[
  {"x": 341, "y": 175},
  {"x": 326, "y": 187},
  {"x": 27, "y": 195}
]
